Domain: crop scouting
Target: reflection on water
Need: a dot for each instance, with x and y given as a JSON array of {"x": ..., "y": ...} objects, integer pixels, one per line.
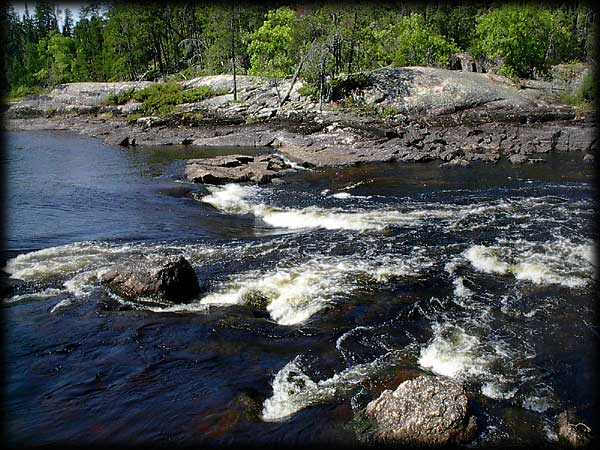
[{"x": 321, "y": 292}]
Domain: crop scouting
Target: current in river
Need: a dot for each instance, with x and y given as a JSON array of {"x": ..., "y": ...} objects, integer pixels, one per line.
[{"x": 366, "y": 276}]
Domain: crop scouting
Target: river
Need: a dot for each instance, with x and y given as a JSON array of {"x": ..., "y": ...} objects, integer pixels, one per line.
[{"x": 370, "y": 275}]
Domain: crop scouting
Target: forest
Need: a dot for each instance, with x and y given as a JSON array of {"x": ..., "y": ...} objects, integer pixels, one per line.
[{"x": 115, "y": 41}]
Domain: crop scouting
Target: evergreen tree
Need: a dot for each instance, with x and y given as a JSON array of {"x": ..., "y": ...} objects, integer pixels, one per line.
[{"x": 67, "y": 30}]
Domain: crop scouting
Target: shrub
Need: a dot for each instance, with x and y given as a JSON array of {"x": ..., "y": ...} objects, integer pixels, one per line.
[
  {"x": 309, "y": 91},
  {"x": 20, "y": 92},
  {"x": 414, "y": 43},
  {"x": 120, "y": 99},
  {"x": 341, "y": 87},
  {"x": 161, "y": 98},
  {"x": 583, "y": 99},
  {"x": 133, "y": 117},
  {"x": 528, "y": 38}
]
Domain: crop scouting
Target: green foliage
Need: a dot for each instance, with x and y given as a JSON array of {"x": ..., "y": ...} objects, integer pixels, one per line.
[
  {"x": 269, "y": 46},
  {"x": 251, "y": 120},
  {"x": 589, "y": 88},
  {"x": 388, "y": 112},
  {"x": 61, "y": 51},
  {"x": 155, "y": 41},
  {"x": 455, "y": 22},
  {"x": 89, "y": 43},
  {"x": 410, "y": 42},
  {"x": 342, "y": 87},
  {"x": 528, "y": 38},
  {"x": 161, "y": 98},
  {"x": 309, "y": 91},
  {"x": 20, "y": 92},
  {"x": 133, "y": 117},
  {"x": 120, "y": 99},
  {"x": 199, "y": 93},
  {"x": 583, "y": 99}
]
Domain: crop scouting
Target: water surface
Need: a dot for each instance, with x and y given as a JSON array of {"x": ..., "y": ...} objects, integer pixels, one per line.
[{"x": 368, "y": 276}]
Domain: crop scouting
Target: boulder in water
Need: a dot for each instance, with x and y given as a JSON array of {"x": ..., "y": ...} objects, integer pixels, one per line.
[
  {"x": 424, "y": 411},
  {"x": 172, "y": 279},
  {"x": 518, "y": 158},
  {"x": 588, "y": 157},
  {"x": 572, "y": 431}
]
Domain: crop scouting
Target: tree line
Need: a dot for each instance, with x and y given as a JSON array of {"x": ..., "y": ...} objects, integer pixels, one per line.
[{"x": 317, "y": 40}]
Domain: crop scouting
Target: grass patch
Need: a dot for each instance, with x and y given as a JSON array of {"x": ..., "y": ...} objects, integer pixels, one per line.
[
  {"x": 133, "y": 117},
  {"x": 19, "y": 93},
  {"x": 370, "y": 110},
  {"x": 584, "y": 98},
  {"x": 250, "y": 120},
  {"x": 105, "y": 115},
  {"x": 161, "y": 99},
  {"x": 191, "y": 117},
  {"x": 309, "y": 91},
  {"x": 120, "y": 99}
]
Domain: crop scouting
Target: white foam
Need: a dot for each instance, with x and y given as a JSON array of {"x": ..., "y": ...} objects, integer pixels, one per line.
[
  {"x": 237, "y": 199},
  {"x": 355, "y": 185},
  {"x": 453, "y": 352},
  {"x": 342, "y": 195},
  {"x": 294, "y": 294},
  {"x": 537, "y": 403},
  {"x": 461, "y": 292},
  {"x": 65, "y": 303},
  {"x": 293, "y": 164},
  {"x": 293, "y": 390},
  {"x": 347, "y": 195},
  {"x": 82, "y": 284},
  {"x": 498, "y": 391},
  {"x": 484, "y": 259},
  {"x": 553, "y": 262},
  {"x": 66, "y": 261},
  {"x": 46, "y": 293},
  {"x": 62, "y": 260}
]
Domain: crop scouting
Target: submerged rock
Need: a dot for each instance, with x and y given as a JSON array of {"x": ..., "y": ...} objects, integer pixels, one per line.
[
  {"x": 424, "y": 411},
  {"x": 172, "y": 279}
]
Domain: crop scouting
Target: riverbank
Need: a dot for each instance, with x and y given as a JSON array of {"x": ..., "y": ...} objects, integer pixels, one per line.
[{"x": 414, "y": 114}]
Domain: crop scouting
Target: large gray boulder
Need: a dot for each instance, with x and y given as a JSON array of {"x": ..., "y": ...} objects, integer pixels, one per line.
[
  {"x": 424, "y": 411},
  {"x": 171, "y": 279}
]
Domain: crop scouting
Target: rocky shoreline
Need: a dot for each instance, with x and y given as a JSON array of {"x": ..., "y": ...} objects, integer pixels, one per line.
[
  {"x": 343, "y": 143},
  {"x": 405, "y": 115}
]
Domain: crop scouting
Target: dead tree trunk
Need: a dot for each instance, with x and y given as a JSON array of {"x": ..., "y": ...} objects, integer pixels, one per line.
[
  {"x": 233, "y": 54},
  {"x": 296, "y": 73}
]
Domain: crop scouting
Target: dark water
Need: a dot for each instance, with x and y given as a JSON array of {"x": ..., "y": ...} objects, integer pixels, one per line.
[{"x": 370, "y": 276}]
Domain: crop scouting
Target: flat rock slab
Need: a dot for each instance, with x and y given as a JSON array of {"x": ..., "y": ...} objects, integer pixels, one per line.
[
  {"x": 424, "y": 411},
  {"x": 236, "y": 169}
]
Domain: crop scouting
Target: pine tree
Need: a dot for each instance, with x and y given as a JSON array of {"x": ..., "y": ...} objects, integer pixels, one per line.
[{"x": 67, "y": 30}]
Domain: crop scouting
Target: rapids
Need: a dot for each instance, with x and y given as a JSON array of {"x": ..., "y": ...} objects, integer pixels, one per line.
[{"x": 319, "y": 293}]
